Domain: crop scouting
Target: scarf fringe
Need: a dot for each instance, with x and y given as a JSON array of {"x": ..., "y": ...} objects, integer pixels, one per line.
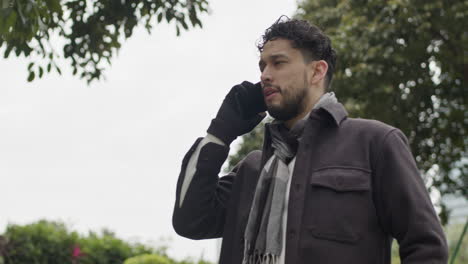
[{"x": 257, "y": 257}]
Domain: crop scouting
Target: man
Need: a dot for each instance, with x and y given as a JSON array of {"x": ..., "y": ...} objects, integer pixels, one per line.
[{"x": 325, "y": 188}]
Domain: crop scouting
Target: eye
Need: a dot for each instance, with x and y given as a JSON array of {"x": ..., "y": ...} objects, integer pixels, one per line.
[{"x": 279, "y": 62}]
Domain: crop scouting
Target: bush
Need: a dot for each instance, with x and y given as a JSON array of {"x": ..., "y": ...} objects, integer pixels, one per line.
[
  {"x": 107, "y": 248},
  {"x": 41, "y": 242},
  {"x": 148, "y": 259},
  {"x": 47, "y": 242}
]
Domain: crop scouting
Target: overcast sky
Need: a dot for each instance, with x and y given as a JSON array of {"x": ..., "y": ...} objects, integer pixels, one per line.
[{"x": 108, "y": 155}]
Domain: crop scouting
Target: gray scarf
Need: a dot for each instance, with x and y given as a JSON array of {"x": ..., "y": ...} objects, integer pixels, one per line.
[{"x": 263, "y": 233}]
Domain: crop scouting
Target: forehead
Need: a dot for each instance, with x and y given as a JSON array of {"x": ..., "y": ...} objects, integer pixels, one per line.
[{"x": 278, "y": 47}]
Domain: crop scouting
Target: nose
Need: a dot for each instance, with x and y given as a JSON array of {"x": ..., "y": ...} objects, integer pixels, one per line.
[{"x": 266, "y": 75}]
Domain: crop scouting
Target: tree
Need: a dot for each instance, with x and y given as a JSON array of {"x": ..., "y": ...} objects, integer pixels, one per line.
[
  {"x": 88, "y": 32},
  {"x": 404, "y": 63}
]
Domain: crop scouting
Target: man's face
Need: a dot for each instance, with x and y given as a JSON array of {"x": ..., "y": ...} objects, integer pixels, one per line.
[{"x": 284, "y": 79}]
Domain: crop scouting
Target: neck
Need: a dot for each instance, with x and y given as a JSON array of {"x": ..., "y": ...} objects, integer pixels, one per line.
[{"x": 291, "y": 122}]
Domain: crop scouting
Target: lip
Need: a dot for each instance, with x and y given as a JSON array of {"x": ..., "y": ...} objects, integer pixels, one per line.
[
  {"x": 269, "y": 92},
  {"x": 270, "y": 96}
]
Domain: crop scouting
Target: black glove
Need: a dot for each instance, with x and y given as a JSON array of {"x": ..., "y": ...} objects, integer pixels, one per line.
[
  {"x": 239, "y": 112},
  {"x": 249, "y": 99}
]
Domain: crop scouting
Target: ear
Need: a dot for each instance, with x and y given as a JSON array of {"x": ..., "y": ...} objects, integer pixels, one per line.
[{"x": 318, "y": 71}]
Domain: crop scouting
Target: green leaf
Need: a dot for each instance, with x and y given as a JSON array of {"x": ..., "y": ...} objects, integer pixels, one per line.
[
  {"x": 30, "y": 66},
  {"x": 184, "y": 24},
  {"x": 148, "y": 28},
  {"x": 7, "y": 51},
  {"x": 58, "y": 70},
  {"x": 160, "y": 17},
  {"x": 54, "y": 6},
  {"x": 41, "y": 72},
  {"x": 48, "y": 67},
  {"x": 10, "y": 21},
  {"x": 18, "y": 51},
  {"x": 31, "y": 76},
  {"x": 169, "y": 16}
]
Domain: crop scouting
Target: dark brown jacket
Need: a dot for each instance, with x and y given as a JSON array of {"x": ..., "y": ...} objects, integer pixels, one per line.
[{"x": 355, "y": 186}]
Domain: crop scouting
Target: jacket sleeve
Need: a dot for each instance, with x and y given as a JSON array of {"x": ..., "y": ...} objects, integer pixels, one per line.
[
  {"x": 406, "y": 211},
  {"x": 202, "y": 212},
  {"x": 191, "y": 166}
]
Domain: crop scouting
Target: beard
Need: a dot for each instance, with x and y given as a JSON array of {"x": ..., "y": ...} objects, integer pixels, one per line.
[{"x": 292, "y": 103}]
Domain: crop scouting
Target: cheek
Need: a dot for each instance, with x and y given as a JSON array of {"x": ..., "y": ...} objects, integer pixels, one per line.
[
  {"x": 291, "y": 81},
  {"x": 293, "y": 85}
]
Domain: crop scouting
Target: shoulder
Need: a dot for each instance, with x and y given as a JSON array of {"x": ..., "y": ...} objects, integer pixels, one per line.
[
  {"x": 374, "y": 132},
  {"x": 374, "y": 126},
  {"x": 246, "y": 172},
  {"x": 368, "y": 128},
  {"x": 249, "y": 165},
  {"x": 252, "y": 160}
]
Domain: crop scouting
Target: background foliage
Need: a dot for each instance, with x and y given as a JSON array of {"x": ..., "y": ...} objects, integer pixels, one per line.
[
  {"x": 86, "y": 33},
  {"x": 42, "y": 242},
  {"x": 47, "y": 242},
  {"x": 404, "y": 63}
]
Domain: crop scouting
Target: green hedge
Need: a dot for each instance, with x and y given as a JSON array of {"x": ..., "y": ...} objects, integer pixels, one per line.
[
  {"x": 148, "y": 259},
  {"x": 42, "y": 242},
  {"x": 46, "y": 242}
]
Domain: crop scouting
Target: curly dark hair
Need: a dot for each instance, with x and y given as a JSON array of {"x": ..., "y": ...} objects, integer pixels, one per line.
[{"x": 306, "y": 37}]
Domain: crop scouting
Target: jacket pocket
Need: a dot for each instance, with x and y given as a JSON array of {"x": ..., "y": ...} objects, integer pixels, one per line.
[{"x": 338, "y": 204}]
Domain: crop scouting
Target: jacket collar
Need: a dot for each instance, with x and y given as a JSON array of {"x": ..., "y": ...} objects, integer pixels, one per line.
[{"x": 335, "y": 111}]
